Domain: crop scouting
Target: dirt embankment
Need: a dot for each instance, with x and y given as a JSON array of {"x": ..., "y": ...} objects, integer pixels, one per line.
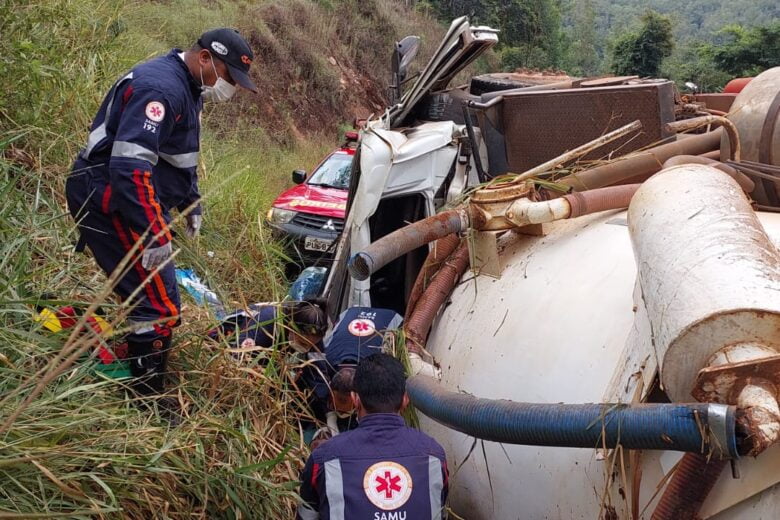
[{"x": 319, "y": 65}]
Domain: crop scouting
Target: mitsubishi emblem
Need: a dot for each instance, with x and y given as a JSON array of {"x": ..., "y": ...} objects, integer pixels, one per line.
[{"x": 328, "y": 226}]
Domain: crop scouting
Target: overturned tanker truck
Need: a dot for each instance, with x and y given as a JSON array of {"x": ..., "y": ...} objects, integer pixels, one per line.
[{"x": 592, "y": 268}]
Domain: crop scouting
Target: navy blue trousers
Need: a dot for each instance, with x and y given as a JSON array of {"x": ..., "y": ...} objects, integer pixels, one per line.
[{"x": 156, "y": 307}]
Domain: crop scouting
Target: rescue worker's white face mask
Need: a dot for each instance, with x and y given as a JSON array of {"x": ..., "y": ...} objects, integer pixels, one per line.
[{"x": 220, "y": 91}]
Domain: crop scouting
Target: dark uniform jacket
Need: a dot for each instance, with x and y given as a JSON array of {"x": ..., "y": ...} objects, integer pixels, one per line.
[
  {"x": 359, "y": 333},
  {"x": 383, "y": 470},
  {"x": 142, "y": 151}
]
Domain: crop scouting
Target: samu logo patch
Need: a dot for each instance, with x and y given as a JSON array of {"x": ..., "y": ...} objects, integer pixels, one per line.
[
  {"x": 155, "y": 111},
  {"x": 388, "y": 485}
]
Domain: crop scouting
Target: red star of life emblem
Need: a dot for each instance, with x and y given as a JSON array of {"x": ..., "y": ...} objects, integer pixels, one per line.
[
  {"x": 388, "y": 484},
  {"x": 155, "y": 111},
  {"x": 361, "y": 327}
]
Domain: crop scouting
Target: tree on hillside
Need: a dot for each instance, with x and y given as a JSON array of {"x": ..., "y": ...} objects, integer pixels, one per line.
[
  {"x": 641, "y": 51},
  {"x": 530, "y": 32},
  {"x": 747, "y": 52},
  {"x": 584, "y": 57},
  {"x": 692, "y": 61},
  {"x": 530, "y": 36}
]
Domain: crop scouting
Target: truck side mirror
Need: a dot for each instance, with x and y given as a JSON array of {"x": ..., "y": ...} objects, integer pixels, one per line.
[
  {"x": 403, "y": 54},
  {"x": 406, "y": 50},
  {"x": 299, "y": 176}
]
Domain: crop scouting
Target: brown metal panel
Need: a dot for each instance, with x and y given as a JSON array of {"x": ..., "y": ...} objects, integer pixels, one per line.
[
  {"x": 539, "y": 126},
  {"x": 720, "y": 102}
]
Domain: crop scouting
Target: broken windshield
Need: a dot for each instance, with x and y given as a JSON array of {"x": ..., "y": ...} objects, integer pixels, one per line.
[{"x": 334, "y": 172}]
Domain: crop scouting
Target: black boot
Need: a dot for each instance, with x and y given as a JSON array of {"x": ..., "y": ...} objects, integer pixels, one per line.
[{"x": 148, "y": 360}]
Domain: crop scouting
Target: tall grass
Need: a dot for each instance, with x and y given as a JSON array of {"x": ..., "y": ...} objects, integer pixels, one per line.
[{"x": 80, "y": 447}]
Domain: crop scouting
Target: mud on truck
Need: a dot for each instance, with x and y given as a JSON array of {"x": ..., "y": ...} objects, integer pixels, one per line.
[{"x": 591, "y": 266}]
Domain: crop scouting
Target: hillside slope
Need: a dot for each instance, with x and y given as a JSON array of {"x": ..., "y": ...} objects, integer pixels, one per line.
[{"x": 72, "y": 443}]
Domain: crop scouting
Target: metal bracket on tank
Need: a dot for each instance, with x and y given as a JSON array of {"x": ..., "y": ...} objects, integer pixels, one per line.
[
  {"x": 719, "y": 384},
  {"x": 483, "y": 253}
]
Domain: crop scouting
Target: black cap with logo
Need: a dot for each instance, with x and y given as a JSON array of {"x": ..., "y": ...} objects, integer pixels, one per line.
[{"x": 229, "y": 47}]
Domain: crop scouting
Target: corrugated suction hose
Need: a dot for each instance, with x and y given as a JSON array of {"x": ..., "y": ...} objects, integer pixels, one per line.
[
  {"x": 418, "y": 325},
  {"x": 441, "y": 249},
  {"x": 676, "y": 427},
  {"x": 396, "y": 244},
  {"x": 693, "y": 479}
]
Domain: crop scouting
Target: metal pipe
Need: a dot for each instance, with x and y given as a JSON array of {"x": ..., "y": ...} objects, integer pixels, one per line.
[
  {"x": 579, "y": 151},
  {"x": 524, "y": 211},
  {"x": 743, "y": 180},
  {"x": 595, "y": 201},
  {"x": 696, "y": 428},
  {"x": 755, "y": 171},
  {"x": 401, "y": 241},
  {"x": 715, "y": 154},
  {"x": 761, "y": 414},
  {"x": 558, "y": 85},
  {"x": 441, "y": 249},
  {"x": 694, "y": 477},
  {"x": 641, "y": 164},
  {"x": 698, "y": 122},
  {"x": 418, "y": 325}
]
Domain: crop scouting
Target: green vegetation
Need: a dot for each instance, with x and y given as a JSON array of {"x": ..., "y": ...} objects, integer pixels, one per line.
[
  {"x": 705, "y": 41},
  {"x": 531, "y": 33},
  {"x": 72, "y": 443},
  {"x": 641, "y": 51}
]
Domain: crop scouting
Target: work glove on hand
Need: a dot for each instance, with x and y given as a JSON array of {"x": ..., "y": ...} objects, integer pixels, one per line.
[
  {"x": 154, "y": 256},
  {"x": 193, "y": 225}
]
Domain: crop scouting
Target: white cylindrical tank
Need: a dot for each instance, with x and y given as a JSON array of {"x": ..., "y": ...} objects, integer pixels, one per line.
[
  {"x": 549, "y": 330},
  {"x": 755, "y": 113},
  {"x": 710, "y": 277},
  {"x": 560, "y": 325}
]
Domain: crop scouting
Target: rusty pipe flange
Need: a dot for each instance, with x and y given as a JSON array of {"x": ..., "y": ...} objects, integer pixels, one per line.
[
  {"x": 502, "y": 192},
  {"x": 488, "y": 205},
  {"x": 745, "y": 375},
  {"x": 722, "y": 384}
]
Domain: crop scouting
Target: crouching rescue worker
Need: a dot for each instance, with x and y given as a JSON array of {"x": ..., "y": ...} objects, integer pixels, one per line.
[
  {"x": 359, "y": 332},
  {"x": 138, "y": 165},
  {"x": 383, "y": 469}
]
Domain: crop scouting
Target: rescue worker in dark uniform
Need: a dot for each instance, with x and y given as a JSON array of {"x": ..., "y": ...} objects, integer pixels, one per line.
[
  {"x": 293, "y": 327},
  {"x": 359, "y": 332},
  {"x": 139, "y": 164},
  {"x": 383, "y": 469}
]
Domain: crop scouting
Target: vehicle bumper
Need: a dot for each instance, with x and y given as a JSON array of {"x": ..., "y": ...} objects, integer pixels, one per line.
[{"x": 293, "y": 237}]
